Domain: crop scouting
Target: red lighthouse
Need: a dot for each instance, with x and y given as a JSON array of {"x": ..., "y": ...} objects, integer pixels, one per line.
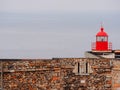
[
  {"x": 101, "y": 44},
  {"x": 102, "y": 48}
]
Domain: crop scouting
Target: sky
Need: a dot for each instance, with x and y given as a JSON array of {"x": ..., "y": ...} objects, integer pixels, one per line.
[{"x": 55, "y": 28}]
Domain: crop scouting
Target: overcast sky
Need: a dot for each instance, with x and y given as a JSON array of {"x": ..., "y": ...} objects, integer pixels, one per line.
[{"x": 55, "y": 28}]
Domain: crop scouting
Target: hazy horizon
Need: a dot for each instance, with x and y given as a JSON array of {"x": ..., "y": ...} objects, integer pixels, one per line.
[{"x": 47, "y": 29}]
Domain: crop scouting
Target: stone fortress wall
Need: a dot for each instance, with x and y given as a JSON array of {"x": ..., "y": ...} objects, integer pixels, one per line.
[{"x": 60, "y": 74}]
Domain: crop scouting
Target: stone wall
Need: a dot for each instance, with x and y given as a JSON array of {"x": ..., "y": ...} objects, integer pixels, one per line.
[
  {"x": 116, "y": 74},
  {"x": 60, "y": 74}
]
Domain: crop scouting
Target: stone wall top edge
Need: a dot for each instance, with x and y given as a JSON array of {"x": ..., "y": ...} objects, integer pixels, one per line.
[
  {"x": 56, "y": 59},
  {"x": 22, "y": 59}
]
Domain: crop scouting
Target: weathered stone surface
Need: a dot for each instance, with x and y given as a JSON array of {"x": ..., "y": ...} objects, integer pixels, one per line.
[{"x": 60, "y": 74}]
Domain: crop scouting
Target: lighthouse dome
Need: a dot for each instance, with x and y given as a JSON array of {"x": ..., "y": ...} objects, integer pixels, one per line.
[{"x": 102, "y": 32}]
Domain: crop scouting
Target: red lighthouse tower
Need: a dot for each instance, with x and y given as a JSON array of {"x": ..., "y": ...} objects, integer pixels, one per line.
[
  {"x": 102, "y": 48},
  {"x": 101, "y": 44}
]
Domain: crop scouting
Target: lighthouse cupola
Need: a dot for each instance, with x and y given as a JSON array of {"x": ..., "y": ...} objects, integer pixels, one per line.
[{"x": 101, "y": 43}]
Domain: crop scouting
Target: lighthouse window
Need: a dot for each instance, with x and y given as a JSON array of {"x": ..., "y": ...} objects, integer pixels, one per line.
[
  {"x": 101, "y": 38},
  {"x": 105, "y": 38}
]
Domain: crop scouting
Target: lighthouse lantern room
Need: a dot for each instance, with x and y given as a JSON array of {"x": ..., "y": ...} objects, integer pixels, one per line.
[{"x": 101, "y": 44}]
